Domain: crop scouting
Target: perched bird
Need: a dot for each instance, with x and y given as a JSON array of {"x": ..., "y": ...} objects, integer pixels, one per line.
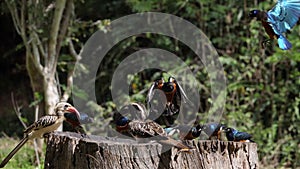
[
  {"x": 134, "y": 111},
  {"x": 43, "y": 126},
  {"x": 235, "y": 135},
  {"x": 173, "y": 93},
  {"x": 76, "y": 122},
  {"x": 193, "y": 133},
  {"x": 148, "y": 129},
  {"x": 184, "y": 132},
  {"x": 212, "y": 130},
  {"x": 280, "y": 19}
]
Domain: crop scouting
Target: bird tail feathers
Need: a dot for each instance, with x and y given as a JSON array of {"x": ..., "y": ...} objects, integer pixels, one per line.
[
  {"x": 293, "y": 8},
  {"x": 283, "y": 43},
  {"x": 178, "y": 144}
]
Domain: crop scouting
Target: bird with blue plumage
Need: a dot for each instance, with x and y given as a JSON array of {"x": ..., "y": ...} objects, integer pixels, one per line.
[
  {"x": 235, "y": 135},
  {"x": 280, "y": 19}
]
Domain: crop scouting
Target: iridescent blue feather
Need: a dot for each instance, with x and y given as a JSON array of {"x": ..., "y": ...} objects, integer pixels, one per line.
[
  {"x": 238, "y": 135},
  {"x": 282, "y": 17}
]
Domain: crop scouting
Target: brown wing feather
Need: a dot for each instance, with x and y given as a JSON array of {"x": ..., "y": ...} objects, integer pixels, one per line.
[
  {"x": 269, "y": 30},
  {"x": 151, "y": 129},
  {"x": 146, "y": 129}
]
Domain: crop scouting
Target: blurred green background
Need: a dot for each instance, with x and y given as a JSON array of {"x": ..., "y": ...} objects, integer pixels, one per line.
[{"x": 263, "y": 82}]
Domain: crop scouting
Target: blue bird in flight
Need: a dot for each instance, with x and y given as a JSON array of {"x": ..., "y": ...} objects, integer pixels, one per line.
[{"x": 280, "y": 19}]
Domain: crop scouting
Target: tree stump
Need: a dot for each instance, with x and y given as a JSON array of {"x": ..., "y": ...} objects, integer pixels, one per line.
[{"x": 70, "y": 150}]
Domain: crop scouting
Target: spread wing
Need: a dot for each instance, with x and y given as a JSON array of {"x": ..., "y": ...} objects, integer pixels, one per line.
[
  {"x": 151, "y": 92},
  {"x": 284, "y": 15},
  {"x": 185, "y": 98}
]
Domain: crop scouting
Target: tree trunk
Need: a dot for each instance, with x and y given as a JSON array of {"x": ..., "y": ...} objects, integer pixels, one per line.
[
  {"x": 71, "y": 150},
  {"x": 50, "y": 93}
]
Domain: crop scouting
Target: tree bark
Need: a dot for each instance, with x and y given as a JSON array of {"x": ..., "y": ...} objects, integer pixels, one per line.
[{"x": 70, "y": 150}]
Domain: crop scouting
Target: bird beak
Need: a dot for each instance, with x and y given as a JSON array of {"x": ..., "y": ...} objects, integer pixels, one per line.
[{"x": 75, "y": 111}]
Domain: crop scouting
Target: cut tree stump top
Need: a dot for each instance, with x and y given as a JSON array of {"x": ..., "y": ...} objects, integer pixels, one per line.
[{"x": 71, "y": 151}]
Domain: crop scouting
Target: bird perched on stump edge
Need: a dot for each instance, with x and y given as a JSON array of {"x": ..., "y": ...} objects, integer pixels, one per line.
[
  {"x": 148, "y": 129},
  {"x": 235, "y": 135},
  {"x": 43, "y": 126}
]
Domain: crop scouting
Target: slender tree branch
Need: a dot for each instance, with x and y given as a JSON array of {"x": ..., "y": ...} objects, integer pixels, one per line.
[
  {"x": 36, "y": 151},
  {"x": 18, "y": 113},
  {"x": 58, "y": 13},
  {"x": 39, "y": 44},
  {"x": 36, "y": 55},
  {"x": 73, "y": 52},
  {"x": 17, "y": 109},
  {"x": 14, "y": 14},
  {"x": 37, "y": 147},
  {"x": 77, "y": 57},
  {"x": 19, "y": 21},
  {"x": 22, "y": 23},
  {"x": 64, "y": 26}
]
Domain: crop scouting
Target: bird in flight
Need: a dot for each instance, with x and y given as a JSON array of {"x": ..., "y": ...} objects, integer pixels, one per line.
[{"x": 280, "y": 19}]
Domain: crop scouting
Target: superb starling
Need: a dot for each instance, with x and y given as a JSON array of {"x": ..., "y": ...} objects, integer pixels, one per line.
[
  {"x": 280, "y": 19},
  {"x": 184, "y": 132},
  {"x": 235, "y": 135},
  {"x": 75, "y": 121},
  {"x": 212, "y": 130}
]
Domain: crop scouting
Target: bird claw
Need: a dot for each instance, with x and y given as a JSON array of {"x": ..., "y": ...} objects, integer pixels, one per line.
[
  {"x": 265, "y": 42},
  {"x": 46, "y": 135}
]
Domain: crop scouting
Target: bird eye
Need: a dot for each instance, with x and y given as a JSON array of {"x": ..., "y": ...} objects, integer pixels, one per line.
[
  {"x": 253, "y": 13},
  {"x": 66, "y": 106}
]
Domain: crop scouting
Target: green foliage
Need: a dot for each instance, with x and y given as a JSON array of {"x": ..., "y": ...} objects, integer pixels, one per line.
[
  {"x": 24, "y": 159},
  {"x": 38, "y": 97},
  {"x": 262, "y": 80}
]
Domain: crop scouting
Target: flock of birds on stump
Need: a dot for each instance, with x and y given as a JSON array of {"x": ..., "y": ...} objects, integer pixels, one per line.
[
  {"x": 277, "y": 21},
  {"x": 173, "y": 135}
]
